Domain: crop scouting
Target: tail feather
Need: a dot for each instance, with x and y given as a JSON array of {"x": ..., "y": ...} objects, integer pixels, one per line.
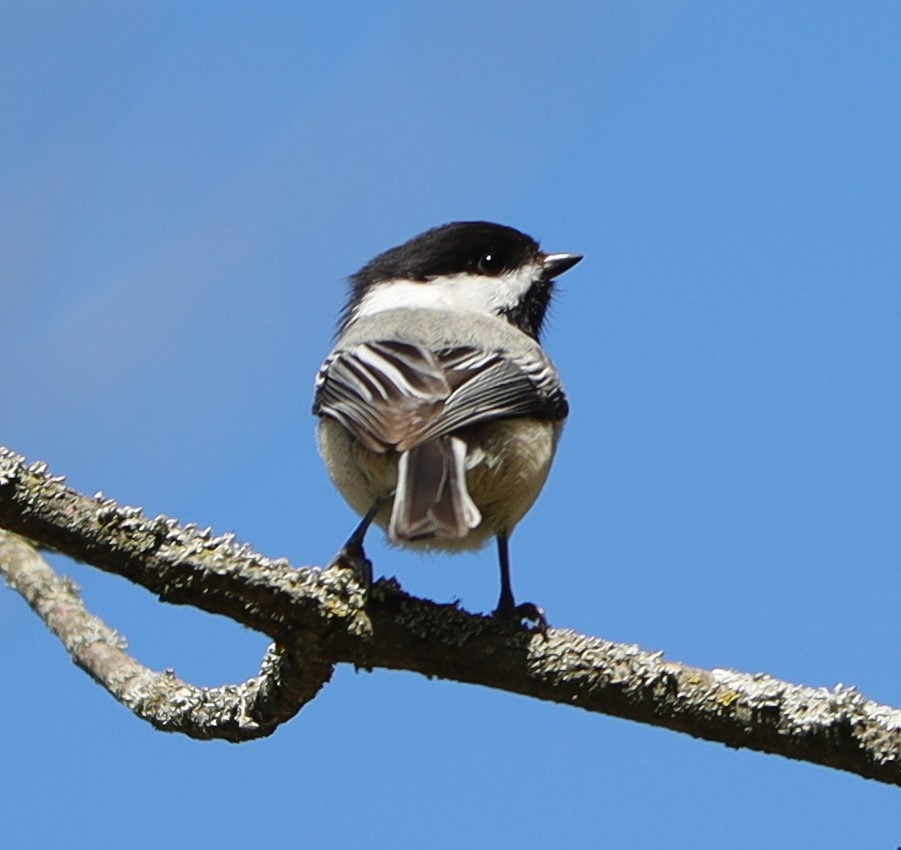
[{"x": 431, "y": 498}]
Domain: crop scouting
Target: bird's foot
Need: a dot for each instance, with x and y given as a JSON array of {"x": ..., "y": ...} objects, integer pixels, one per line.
[
  {"x": 352, "y": 557},
  {"x": 525, "y": 611}
]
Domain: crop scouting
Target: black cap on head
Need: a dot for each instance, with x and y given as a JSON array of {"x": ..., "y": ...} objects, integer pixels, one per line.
[
  {"x": 476, "y": 247},
  {"x": 466, "y": 247}
]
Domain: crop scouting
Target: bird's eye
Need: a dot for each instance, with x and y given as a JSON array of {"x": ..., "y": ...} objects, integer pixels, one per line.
[{"x": 490, "y": 264}]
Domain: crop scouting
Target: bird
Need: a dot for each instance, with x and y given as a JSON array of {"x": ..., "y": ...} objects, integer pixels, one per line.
[{"x": 439, "y": 410}]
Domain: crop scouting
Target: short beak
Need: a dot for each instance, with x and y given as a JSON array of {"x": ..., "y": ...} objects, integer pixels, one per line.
[{"x": 556, "y": 264}]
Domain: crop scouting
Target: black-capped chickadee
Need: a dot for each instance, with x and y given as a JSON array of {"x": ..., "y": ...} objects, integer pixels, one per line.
[{"x": 439, "y": 410}]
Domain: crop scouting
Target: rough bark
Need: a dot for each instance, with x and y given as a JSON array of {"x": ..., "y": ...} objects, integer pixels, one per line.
[{"x": 317, "y": 619}]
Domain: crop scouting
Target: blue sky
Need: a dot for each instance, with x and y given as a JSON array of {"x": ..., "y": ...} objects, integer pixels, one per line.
[{"x": 184, "y": 188}]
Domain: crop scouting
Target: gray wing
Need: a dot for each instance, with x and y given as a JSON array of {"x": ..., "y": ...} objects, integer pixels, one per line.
[{"x": 394, "y": 395}]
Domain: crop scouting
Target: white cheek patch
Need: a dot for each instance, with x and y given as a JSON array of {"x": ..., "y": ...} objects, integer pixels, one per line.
[{"x": 460, "y": 293}]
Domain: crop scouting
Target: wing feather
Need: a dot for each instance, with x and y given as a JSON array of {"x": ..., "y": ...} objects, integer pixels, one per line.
[{"x": 394, "y": 395}]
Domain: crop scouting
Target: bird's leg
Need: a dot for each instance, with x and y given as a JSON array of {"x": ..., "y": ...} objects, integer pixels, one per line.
[
  {"x": 506, "y": 607},
  {"x": 352, "y": 555}
]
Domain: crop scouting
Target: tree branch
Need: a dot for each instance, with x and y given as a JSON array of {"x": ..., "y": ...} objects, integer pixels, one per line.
[
  {"x": 252, "y": 709},
  {"x": 316, "y": 616}
]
